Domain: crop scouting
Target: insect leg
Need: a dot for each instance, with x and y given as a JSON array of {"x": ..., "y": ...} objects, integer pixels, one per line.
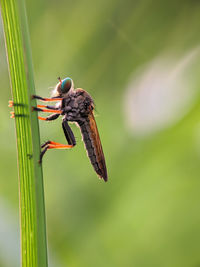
[
  {"x": 12, "y": 104},
  {"x": 68, "y": 133},
  {"x": 44, "y": 99},
  {"x": 51, "y": 145},
  {"x": 48, "y": 107},
  {"x": 49, "y": 118},
  {"x": 47, "y": 110},
  {"x": 13, "y": 115}
]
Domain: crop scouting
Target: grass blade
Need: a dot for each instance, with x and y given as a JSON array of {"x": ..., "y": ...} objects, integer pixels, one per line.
[{"x": 31, "y": 193}]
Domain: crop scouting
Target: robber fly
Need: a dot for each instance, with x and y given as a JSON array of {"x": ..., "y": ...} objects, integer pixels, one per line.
[{"x": 74, "y": 106}]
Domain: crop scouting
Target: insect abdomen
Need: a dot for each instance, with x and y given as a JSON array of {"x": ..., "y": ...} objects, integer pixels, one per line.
[{"x": 91, "y": 147}]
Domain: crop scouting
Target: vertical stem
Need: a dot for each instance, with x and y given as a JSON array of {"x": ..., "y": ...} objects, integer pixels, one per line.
[{"x": 31, "y": 193}]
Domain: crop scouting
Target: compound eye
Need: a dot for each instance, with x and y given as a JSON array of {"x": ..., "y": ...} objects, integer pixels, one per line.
[{"x": 66, "y": 85}]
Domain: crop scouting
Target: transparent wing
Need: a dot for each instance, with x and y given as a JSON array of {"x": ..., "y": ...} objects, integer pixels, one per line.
[{"x": 100, "y": 166}]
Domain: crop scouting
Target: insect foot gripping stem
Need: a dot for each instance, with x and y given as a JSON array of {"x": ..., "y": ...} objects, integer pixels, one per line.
[
  {"x": 12, "y": 104},
  {"x": 50, "y": 145},
  {"x": 12, "y": 114}
]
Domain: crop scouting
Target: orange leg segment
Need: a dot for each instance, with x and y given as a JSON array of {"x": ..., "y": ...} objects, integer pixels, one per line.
[
  {"x": 41, "y": 118},
  {"x": 41, "y": 106},
  {"x": 47, "y": 110},
  {"x": 46, "y": 99},
  {"x": 60, "y": 146},
  {"x": 51, "y": 99},
  {"x": 47, "y": 107},
  {"x": 51, "y": 145},
  {"x": 51, "y": 117},
  {"x": 51, "y": 111}
]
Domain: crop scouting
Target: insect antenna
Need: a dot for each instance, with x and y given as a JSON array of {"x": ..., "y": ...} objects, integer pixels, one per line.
[{"x": 59, "y": 79}]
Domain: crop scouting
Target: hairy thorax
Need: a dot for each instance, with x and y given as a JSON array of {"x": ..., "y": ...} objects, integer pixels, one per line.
[{"x": 77, "y": 105}]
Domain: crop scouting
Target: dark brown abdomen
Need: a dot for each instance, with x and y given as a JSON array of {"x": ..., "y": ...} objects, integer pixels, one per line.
[{"x": 94, "y": 149}]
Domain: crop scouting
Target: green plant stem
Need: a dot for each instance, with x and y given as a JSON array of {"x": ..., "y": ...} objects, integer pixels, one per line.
[{"x": 31, "y": 193}]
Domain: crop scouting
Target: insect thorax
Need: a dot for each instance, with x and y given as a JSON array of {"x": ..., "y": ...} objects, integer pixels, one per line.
[{"x": 77, "y": 105}]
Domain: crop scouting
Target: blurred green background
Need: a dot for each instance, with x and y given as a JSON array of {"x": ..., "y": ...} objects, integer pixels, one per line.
[{"x": 140, "y": 61}]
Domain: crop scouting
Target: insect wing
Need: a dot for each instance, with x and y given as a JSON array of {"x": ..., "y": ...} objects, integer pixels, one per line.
[{"x": 96, "y": 142}]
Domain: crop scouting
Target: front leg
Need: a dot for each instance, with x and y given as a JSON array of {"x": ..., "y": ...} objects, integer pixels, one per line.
[{"x": 44, "y": 99}]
